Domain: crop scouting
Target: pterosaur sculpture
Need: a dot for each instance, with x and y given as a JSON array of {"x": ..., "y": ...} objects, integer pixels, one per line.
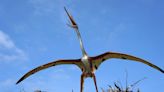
[{"x": 87, "y": 64}]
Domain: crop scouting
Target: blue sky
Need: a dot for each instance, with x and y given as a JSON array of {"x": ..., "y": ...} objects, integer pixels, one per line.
[{"x": 34, "y": 32}]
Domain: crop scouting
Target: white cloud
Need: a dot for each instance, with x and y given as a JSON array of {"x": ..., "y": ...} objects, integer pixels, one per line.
[
  {"x": 5, "y": 41},
  {"x": 8, "y": 50}
]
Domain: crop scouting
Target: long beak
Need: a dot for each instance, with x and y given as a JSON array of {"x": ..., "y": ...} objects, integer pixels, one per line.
[{"x": 73, "y": 23}]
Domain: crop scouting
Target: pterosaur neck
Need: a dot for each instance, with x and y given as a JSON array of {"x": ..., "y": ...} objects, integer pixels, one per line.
[{"x": 81, "y": 43}]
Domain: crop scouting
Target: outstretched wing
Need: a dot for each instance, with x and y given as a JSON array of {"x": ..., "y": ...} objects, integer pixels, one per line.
[
  {"x": 45, "y": 66},
  {"x": 108, "y": 55}
]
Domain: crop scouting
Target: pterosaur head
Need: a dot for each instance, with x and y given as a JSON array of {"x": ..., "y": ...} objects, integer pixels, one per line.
[{"x": 73, "y": 23}]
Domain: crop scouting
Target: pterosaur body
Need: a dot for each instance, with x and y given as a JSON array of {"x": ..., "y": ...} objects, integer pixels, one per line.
[{"x": 87, "y": 64}]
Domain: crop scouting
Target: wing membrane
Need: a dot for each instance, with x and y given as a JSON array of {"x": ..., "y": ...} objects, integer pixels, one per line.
[
  {"x": 55, "y": 63},
  {"x": 108, "y": 55}
]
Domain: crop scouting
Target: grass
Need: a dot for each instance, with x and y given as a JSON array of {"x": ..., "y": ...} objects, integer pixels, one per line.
[{"x": 118, "y": 87}]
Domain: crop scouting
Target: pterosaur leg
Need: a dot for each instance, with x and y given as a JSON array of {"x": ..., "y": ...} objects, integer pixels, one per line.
[
  {"x": 94, "y": 78},
  {"x": 82, "y": 83}
]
